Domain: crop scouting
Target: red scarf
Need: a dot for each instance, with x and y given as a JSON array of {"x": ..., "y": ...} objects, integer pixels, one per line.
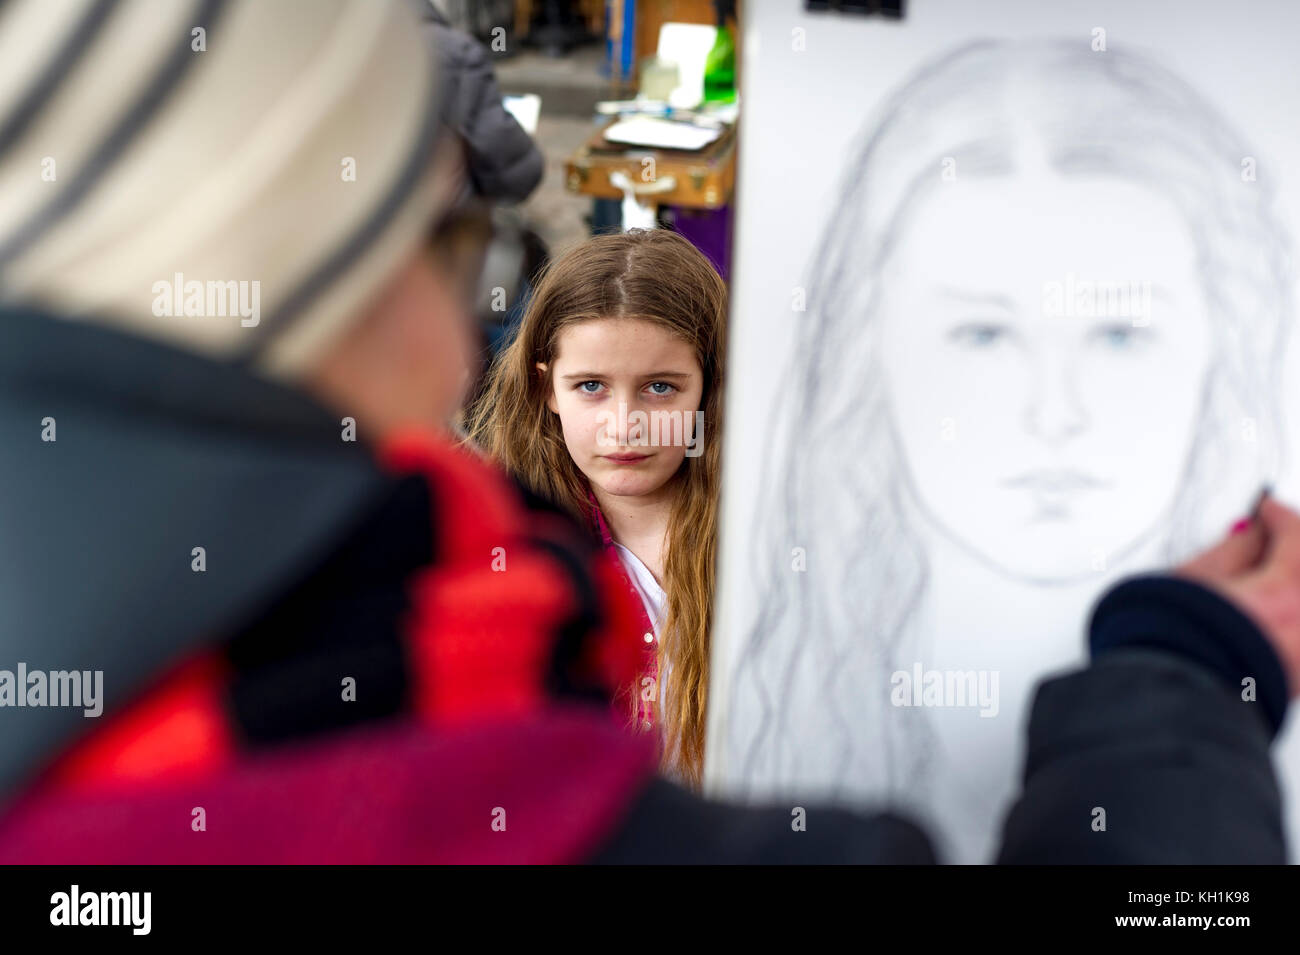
[{"x": 481, "y": 766}]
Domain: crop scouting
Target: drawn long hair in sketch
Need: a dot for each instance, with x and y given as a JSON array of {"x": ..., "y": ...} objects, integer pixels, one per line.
[{"x": 808, "y": 707}]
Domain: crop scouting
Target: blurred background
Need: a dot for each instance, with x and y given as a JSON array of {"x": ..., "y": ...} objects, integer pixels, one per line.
[{"x": 631, "y": 106}]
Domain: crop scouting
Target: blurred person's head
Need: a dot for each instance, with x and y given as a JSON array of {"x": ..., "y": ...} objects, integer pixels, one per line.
[
  {"x": 409, "y": 359},
  {"x": 211, "y": 213},
  {"x": 252, "y": 182},
  {"x": 613, "y": 387}
]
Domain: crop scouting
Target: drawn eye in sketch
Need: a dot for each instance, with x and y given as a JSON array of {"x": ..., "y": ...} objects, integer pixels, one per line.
[
  {"x": 1039, "y": 313},
  {"x": 982, "y": 335}
]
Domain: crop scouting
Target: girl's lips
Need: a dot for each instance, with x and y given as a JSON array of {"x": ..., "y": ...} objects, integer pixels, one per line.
[{"x": 626, "y": 458}]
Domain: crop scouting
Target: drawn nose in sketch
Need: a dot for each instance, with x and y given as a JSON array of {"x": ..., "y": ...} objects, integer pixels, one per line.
[{"x": 1054, "y": 412}]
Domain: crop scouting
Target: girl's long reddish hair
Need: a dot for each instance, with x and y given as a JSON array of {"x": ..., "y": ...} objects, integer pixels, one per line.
[{"x": 657, "y": 276}]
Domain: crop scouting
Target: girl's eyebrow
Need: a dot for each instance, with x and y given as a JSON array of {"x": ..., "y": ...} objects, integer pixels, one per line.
[{"x": 589, "y": 375}]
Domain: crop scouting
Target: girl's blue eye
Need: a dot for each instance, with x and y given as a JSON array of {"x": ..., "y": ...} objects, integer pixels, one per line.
[
  {"x": 979, "y": 335},
  {"x": 582, "y": 386},
  {"x": 669, "y": 389}
]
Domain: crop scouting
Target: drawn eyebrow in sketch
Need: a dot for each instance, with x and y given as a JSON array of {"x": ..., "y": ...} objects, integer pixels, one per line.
[{"x": 800, "y": 714}]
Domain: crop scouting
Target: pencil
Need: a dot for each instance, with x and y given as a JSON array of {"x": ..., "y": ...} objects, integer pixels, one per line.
[{"x": 1264, "y": 492}]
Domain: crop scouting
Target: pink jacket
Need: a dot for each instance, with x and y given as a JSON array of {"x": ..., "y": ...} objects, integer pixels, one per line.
[{"x": 645, "y": 713}]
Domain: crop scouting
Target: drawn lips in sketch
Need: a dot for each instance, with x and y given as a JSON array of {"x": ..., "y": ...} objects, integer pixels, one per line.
[
  {"x": 1053, "y": 489},
  {"x": 1054, "y": 480}
]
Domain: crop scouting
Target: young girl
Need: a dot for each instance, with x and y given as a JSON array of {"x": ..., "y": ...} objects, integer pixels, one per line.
[{"x": 608, "y": 403}]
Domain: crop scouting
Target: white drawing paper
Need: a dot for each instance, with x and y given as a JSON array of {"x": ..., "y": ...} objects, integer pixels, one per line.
[{"x": 1012, "y": 319}]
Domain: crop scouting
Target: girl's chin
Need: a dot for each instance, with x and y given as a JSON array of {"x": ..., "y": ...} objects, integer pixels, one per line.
[{"x": 629, "y": 485}]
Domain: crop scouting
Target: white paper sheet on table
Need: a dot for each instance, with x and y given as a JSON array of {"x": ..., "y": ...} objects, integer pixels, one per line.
[{"x": 660, "y": 133}]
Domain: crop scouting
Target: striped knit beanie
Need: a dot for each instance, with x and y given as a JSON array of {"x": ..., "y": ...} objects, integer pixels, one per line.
[{"x": 233, "y": 177}]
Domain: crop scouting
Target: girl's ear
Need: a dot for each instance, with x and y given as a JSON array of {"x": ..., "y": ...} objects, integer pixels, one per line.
[{"x": 550, "y": 394}]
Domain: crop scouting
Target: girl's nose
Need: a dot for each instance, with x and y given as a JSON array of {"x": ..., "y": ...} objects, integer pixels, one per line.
[{"x": 631, "y": 427}]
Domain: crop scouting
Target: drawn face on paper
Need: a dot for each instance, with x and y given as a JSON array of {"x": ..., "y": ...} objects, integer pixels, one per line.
[{"x": 1045, "y": 429}]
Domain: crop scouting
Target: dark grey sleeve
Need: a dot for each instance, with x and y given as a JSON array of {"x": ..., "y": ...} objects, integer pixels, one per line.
[
  {"x": 1146, "y": 757},
  {"x": 504, "y": 162}
]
